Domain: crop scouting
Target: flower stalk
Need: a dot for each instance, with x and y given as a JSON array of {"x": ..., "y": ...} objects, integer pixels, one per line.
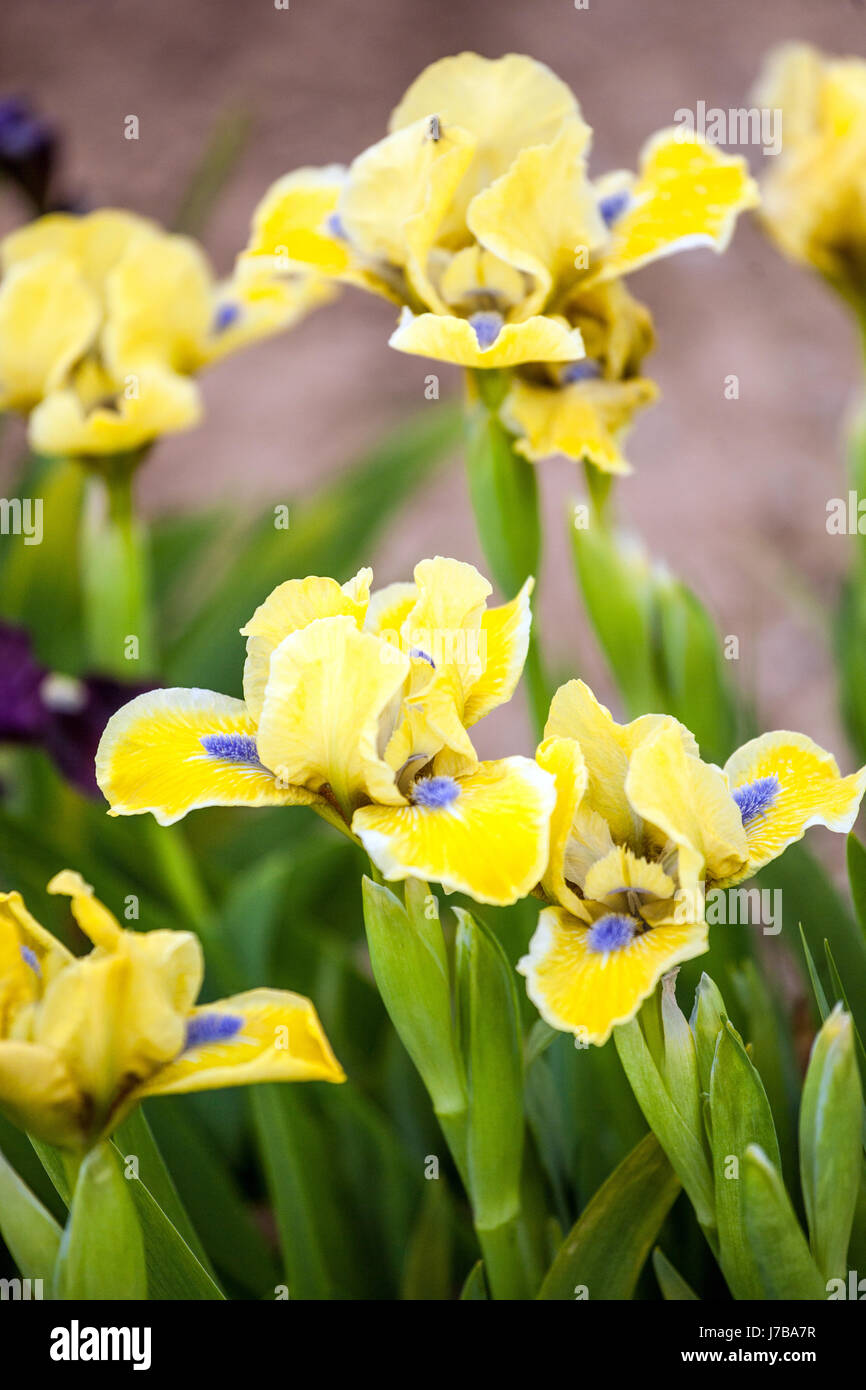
[
  {"x": 503, "y": 487},
  {"x": 116, "y": 572}
]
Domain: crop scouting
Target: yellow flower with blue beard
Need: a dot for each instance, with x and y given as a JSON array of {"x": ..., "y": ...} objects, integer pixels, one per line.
[
  {"x": 477, "y": 216},
  {"x": 814, "y": 191},
  {"x": 84, "y": 1038},
  {"x": 358, "y": 706},
  {"x": 105, "y": 319},
  {"x": 642, "y": 827}
]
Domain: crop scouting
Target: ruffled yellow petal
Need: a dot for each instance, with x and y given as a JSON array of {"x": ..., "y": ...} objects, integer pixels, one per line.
[
  {"x": 151, "y": 757},
  {"x": 814, "y": 197},
  {"x": 292, "y": 606},
  {"x": 540, "y": 213},
  {"x": 95, "y": 920},
  {"x": 445, "y": 623},
  {"x": 586, "y": 992},
  {"x": 489, "y": 839},
  {"x": 290, "y": 228},
  {"x": 95, "y": 242},
  {"x": 784, "y": 783},
  {"x": 19, "y": 977},
  {"x": 160, "y": 306},
  {"x": 48, "y": 318},
  {"x": 249, "y": 308},
  {"x": 688, "y": 194},
  {"x": 113, "y": 1024},
  {"x": 50, "y": 955},
  {"x": 690, "y": 804},
  {"x": 473, "y": 273},
  {"x": 585, "y": 420},
  {"x": 397, "y": 194},
  {"x": 449, "y": 339},
  {"x": 37, "y": 1092},
  {"x": 563, "y": 759},
  {"x": 388, "y": 610},
  {"x": 575, "y": 713},
  {"x": 504, "y": 643},
  {"x": 506, "y": 104},
  {"x": 262, "y": 1035},
  {"x": 328, "y": 708},
  {"x": 621, "y": 871},
  {"x": 149, "y": 402}
]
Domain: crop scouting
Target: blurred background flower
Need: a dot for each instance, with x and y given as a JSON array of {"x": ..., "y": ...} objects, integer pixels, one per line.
[{"x": 63, "y": 715}]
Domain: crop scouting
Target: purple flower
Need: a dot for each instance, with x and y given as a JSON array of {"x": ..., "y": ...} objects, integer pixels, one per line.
[
  {"x": 28, "y": 151},
  {"x": 64, "y": 715}
]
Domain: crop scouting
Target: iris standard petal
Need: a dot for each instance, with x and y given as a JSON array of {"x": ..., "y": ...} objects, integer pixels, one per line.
[
  {"x": 690, "y": 803},
  {"x": 540, "y": 213},
  {"x": 151, "y": 402},
  {"x": 324, "y": 722},
  {"x": 159, "y": 301},
  {"x": 563, "y": 759},
  {"x": 506, "y": 104},
  {"x": 291, "y": 606},
  {"x": 504, "y": 640},
  {"x": 38, "y": 1093},
  {"x": 607, "y": 747},
  {"x": 48, "y": 318},
  {"x": 397, "y": 194}
]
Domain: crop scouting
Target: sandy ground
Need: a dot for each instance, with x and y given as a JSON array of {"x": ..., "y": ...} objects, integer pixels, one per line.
[{"x": 732, "y": 494}]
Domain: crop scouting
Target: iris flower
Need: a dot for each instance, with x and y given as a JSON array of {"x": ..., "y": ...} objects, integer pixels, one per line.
[
  {"x": 105, "y": 319},
  {"x": 83, "y": 1039},
  {"x": 64, "y": 715},
  {"x": 359, "y": 707},
  {"x": 814, "y": 195},
  {"x": 476, "y": 215},
  {"x": 641, "y": 829}
]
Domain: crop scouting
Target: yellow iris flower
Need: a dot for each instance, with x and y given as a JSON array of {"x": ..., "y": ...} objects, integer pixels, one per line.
[
  {"x": 814, "y": 194},
  {"x": 83, "y": 1039},
  {"x": 359, "y": 707},
  {"x": 641, "y": 829},
  {"x": 477, "y": 217},
  {"x": 104, "y": 320}
]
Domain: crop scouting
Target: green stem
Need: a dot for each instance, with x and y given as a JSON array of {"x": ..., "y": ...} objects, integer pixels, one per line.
[
  {"x": 116, "y": 572},
  {"x": 501, "y": 1247},
  {"x": 503, "y": 487},
  {"x": 600, "y": 486}
]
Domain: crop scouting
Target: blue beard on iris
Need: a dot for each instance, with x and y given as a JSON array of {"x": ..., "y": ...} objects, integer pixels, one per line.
[{"x": 68, "y": 724}]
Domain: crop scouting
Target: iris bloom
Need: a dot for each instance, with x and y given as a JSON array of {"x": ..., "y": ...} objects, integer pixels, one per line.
[
  {"x": 642, "y": 827},
  {"x": 83, "y": 1039},
  {"x": 477, "y": 217},
  {"x": 360, "y": 708},
  {"x": 63, "y": 715},
  {"x": 104, "y": 320},
  {"x": 814, "y": 195}
]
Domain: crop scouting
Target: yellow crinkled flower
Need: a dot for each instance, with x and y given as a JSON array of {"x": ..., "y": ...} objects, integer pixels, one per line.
[
  {"x": 477, "y": 216},
  {"x": 360, "y": 708},
  {"x": 104, "y": 320},
  {"x": 641, "y": 828},
  {"x": 814, "y": 191},
  {"x": 83, "y": 1039}
]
